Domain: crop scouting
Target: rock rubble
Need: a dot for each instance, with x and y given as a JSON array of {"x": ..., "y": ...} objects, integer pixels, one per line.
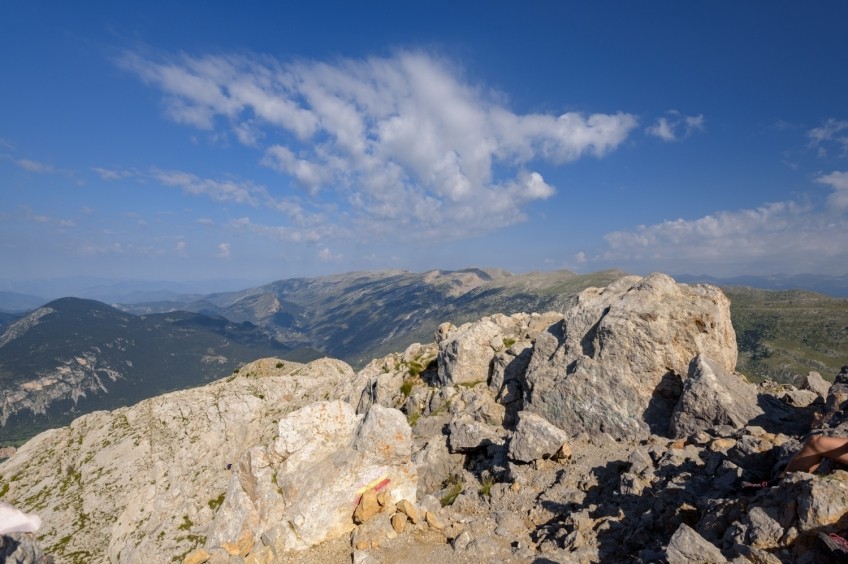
[{"x": 615, "y": 431}]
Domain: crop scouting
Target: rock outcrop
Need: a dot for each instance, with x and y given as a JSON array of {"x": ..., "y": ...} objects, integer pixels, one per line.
[
  {"x": 614, "y": 431},
  {"x": 616, "y": 362}
]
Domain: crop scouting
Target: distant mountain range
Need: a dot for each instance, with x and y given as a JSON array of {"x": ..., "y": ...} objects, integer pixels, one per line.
[
  {"x": 73, "y": 356},
  {"x": 22, "y": 296}
]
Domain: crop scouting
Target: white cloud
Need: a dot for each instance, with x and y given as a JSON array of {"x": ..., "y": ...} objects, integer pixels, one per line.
[
  {"x": 399, "y": 145},
  {"x": 241, "y": 192},
  {"x": 35, "y": 166},
  {"x": 113, "y": 174},
  {"x": 831, "y": 132},
  {"x": 838, "y": 199},
  {"x": 789, "y": 237},
  {"x": 327, "y": 256},
  {"x": 676, "y": 126},
  {"x": 181, "y": 248},
  {"x": 224, "y": 251}
]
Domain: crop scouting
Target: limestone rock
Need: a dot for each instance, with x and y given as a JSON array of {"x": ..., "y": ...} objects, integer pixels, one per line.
[
  {"x": 535, "y": 438},
  {"x": 688, "y": 547},
  {"x": 713, "y": 397},
  {"x": 133, "y": 484},
  {"x": 815, "y": 383},
  {"x": 465, "y": 355},
  {"x": 314, "y": 474},
  {"x": 467, "y": 435},
  {"x": 22, "y": 548},
  {"x": 616, "y": 362},
  {"x": 367, "y": 507}
]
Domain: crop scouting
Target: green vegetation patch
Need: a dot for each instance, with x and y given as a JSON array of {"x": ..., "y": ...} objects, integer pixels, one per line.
[{"x": 215, "y": 503}]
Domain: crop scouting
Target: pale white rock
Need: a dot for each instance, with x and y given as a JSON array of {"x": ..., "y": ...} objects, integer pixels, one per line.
[
  {"x": 142, "y": 483},
  {"x": 535, "y": 438},
  {"x": 326, "y": 457},
  {"x": 468, "y": 434}
]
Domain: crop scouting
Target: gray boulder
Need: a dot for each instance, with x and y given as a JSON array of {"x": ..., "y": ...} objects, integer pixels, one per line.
[
  {"x": 616, "y": 362},
  {"x": 688, "y": 547},
  {"x": 535, "y": 438},
  {"x": 815, "y": 383},
  {"x": 712, "y": 397}
]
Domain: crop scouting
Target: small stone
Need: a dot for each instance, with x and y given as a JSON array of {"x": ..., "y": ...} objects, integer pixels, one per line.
[
  {"x": 367, "y": 508},
  {"x": 563, "y": 454},
  {"x": 383, "y": 498},
  {"x": 362, "y": 545},
  {"x": 242, "y": 546},
  {"x": 678, "y": 444},
  {"x": 408, "y": 508},
  {"x": 264, "y": 555},
  {"x": 433, "y": 521},
  {"x": 399, "y": 522},
  {"x": 199, "y": 556},
  {"x": 515, "y": 487}
]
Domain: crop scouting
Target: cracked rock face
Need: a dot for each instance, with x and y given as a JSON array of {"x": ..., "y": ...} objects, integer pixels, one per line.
[{"x": 617, "y": 361}]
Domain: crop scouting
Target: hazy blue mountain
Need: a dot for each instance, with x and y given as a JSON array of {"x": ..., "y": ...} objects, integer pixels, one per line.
[
  {"x": 831, "y": 285},
  {"x": 72, "y": 356},
  {"x": 12, "y": 302}
]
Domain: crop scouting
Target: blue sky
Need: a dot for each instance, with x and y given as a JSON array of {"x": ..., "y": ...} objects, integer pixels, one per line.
[{"x": 261, "y": 141}]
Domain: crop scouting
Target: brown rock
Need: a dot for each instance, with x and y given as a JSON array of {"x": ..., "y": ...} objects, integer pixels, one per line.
[
  {"x": 408, "y": 508},
  {"x": 563, "y": 454},
  {"x": 383, "y": 498},
  {"x": 363, "y": 545},
  {"x": 199, "y": 556},
  {"x": 262, "y": 556},
  {"x": 242, "y": 546},
  {"x": 367, "y": 508},
  {"x": 399, "y": 522},
  {"x": 433, "y": 521}
]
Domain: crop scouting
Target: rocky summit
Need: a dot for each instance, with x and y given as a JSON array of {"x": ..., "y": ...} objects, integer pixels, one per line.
[{"x": 615, "y": 431}]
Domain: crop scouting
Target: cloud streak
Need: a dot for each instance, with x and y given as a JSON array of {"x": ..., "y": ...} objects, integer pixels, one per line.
[
  {"x": 676, "y": 126},
  {"x": 789, "y": 236},
  {"x": 399, "y": 145}
]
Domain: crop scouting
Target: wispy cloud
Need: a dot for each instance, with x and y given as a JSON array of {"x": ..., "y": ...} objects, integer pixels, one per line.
[
  {"x": 224, "y": 251},
  {"x": 401, "y": 144},
  {"x": 831, "y": 132},
  {"x": 675, "y": 126},
  {"x": 788, "y": 236}
]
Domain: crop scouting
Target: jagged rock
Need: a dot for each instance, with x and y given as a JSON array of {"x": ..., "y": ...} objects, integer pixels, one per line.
[
  {"x": 408, "y": 508},
  {"x": 465, "y": 353},
  {"x": 22, "y": 548},
  {"x": 712, "y": 397},
  {"x": 435, "y": 463},
  {"x": 616, "y": 362},
  {"x": 310, "y": 477},
  {"x": 150, "y": 476},
  {"x": 535, "y": 438},
  {"x": 815, "y": 383},
  {"x": 467, "y": 434},
  {"x": 801, "y": 398},
  {"x": 822, "y": 502},
  {"x": 367, "y": 507},
  {"x": 688, "y": 547},
  {"x": 199, "y": 556},
  {"x": 374, "y": 532}
]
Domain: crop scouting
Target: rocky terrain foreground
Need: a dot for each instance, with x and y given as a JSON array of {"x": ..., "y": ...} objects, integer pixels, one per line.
[{"x": 616, "y": 431}]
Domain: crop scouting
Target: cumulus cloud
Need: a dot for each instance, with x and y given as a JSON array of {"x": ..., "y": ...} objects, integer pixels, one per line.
[
  {"x": 400, "y": 144},
  {"x": 224, "y": 251},
  {"x": 675, "y": 126},
  {"x": 787, "y": 236}
]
